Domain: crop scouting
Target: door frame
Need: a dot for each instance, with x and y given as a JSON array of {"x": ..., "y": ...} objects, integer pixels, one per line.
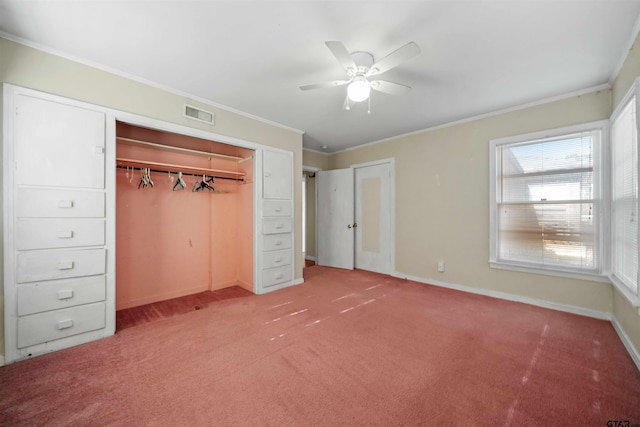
[
  {"x": 391, "y": 203},
  {"x": 315, "y": 195}
]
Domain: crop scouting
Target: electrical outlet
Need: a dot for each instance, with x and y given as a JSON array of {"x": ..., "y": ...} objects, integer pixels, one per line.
[{"x": 441, "y": 266}]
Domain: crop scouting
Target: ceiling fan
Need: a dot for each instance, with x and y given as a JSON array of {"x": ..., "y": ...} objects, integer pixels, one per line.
[{"x": 361, "y": 69}]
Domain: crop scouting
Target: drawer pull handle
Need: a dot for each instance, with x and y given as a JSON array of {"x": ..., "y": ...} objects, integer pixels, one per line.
[
  {"x": 278, "y": 276},
  {"x": 65, "y": 203},
  {"x": 65, "y": 265},
  {"x": 279, "y": 226},
  {"x": 65, "y": 294},
  {"x": 278, "y": 259},
  {"x": 278, "y": 242},
  {"x": 65, "y": 324},
  {"x": 278, "y": 209},
  {"x": 65, "y": 234},
  {"x": 267, "y": 174}
]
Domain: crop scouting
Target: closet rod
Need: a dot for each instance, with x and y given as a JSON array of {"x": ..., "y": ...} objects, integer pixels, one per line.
[
  {"x": 189, "y": 174},
  {"x": 181, "y": 150},
  {"x": 168, "y": 167}
]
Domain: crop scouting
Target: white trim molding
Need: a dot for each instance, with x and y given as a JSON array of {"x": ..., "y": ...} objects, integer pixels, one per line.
[
  {"x": 635, "y": 356},
  {"x": 602, "y": 315},
  {"x": 147, "y": 82}
]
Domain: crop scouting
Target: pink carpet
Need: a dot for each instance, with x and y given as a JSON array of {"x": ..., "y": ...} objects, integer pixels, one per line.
[{"x": 345, "y": 348}]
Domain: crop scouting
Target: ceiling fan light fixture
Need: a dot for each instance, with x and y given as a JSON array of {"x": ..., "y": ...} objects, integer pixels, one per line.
[{"x": 359, "y": 89}]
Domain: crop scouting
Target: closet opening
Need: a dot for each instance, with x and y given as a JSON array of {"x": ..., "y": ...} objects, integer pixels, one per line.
[{"x": 184, "y": 219}]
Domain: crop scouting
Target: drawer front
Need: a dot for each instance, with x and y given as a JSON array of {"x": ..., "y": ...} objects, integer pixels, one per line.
[
  {"x": 274, "y": 242},
  {"x": 274, "y": 276},
  {"x": 276, "y": 258},
  {"x": 40, "y": 203},
  {"x": 45, "y": 296},
  {"x": 276, "y": 225},
  {"x": 276, "y": 208},
  {"x": 60, "y": 264},
  {"x": 59, "y": 233},
  {"x": 52, "y": 325}
]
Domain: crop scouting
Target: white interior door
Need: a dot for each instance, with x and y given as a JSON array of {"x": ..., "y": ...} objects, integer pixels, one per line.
[
  {"x": 373, "y": 239},
  {"x": 334, "y": 207}
]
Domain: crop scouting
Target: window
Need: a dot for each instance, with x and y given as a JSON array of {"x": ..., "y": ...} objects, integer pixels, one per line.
[
  {"x": 546, "y": 200},
  {"x": 624, "y": 194}
]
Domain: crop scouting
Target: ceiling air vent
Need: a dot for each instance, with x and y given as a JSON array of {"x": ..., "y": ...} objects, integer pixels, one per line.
[{"x": 198, "y": 114}]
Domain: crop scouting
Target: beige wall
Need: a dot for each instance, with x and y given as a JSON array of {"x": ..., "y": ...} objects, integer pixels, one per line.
[
  {"x": 625, "y": 314},
  {"x": 32, "y": 68},
  {"x": 442, "y": 201},
  {"x": 321, "y": 161}
]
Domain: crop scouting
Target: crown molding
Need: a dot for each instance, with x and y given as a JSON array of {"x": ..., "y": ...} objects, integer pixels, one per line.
[
  {"x": 592, "y": 89},
  {"x": 144, "y": 81}
]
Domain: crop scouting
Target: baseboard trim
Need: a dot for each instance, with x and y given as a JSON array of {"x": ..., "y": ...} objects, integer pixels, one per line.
[
  {"x": 1, "y": 360},
  {"x": 510, "y": 297},
  {"x": 635, "y": 356},
  {"x": 298, "y": 281}
]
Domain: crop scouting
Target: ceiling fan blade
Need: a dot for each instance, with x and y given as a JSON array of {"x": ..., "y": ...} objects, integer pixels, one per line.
[
  {"x": 324, "y": 84},
  {"x": 389, "y": 87},
  {"x": 394, "y": 59},
  {"x": 342, "y": 55}
]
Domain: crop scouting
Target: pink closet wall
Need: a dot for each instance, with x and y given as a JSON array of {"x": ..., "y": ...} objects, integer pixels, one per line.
[{"x": 175, "y": 243}]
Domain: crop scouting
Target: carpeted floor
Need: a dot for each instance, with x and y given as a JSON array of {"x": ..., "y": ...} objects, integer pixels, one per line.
[
  {"x": 344, "y": 348},
  {"x": 135, "y": 316}
]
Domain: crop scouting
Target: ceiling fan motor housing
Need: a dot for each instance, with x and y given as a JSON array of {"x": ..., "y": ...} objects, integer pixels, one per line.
[{"x": 363, "y": 61}]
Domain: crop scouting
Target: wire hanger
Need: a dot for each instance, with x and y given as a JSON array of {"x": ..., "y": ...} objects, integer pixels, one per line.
[
  {"x": 145, "y": 178},
  {"x": 179, "y": 183},
  {"x": 204, "y": 184}
]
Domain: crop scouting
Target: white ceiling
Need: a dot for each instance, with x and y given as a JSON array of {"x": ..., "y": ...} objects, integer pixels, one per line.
[{"x": 477, "y": 56}]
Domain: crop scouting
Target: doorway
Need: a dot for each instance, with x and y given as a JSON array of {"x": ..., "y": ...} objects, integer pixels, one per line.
[{"x": 356, "y": 217}]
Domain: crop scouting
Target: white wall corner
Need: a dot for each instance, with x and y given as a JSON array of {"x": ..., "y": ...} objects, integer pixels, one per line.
[
  {"x": 298, "y": 281},
  {"x": 633, "y": 352},
  {"x": 1, "y": 360}
]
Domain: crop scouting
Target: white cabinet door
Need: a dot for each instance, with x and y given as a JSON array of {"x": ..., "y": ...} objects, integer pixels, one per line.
[
  {"x": 58, "y": 145},
  {"x": 278, "y": 175}
]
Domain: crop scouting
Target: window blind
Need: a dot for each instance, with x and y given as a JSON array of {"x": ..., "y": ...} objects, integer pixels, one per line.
[
  {"x": 547, "y": 202},
  {"x": 624, "y": 159}
]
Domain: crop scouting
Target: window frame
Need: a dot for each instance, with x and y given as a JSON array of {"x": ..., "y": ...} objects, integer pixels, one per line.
[
  {"x": 634, "y": 299},
  {"x": 600, "y": 200}
]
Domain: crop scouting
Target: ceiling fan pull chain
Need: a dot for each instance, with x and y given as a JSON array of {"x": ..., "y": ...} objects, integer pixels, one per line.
[{"x": 369, "y": 108}]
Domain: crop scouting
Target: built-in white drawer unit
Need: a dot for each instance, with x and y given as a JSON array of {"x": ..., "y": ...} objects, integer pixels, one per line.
[
  {"x": 276, "y": 258},
  {"x": 53, "y": 295},
  {"x": 276, "y": 225},
  {"x": 46, "y": 203},
  {"x": 60, "y": 264},
  {"x": 59, "y": 233},
  {"x": 274, "y": 242},
  {"x": 274, "y": 276},
  {"x": 52, "y": 325},
  {"x": 276, "y": 208}
]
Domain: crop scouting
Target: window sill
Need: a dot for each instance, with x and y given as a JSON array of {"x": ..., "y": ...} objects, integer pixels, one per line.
[{"x": 569, "y": 274}]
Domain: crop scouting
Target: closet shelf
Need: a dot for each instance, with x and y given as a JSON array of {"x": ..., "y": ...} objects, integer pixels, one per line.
[
  {"x": 130, "y": 141},
  {"x": 168, "y": 167}
]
